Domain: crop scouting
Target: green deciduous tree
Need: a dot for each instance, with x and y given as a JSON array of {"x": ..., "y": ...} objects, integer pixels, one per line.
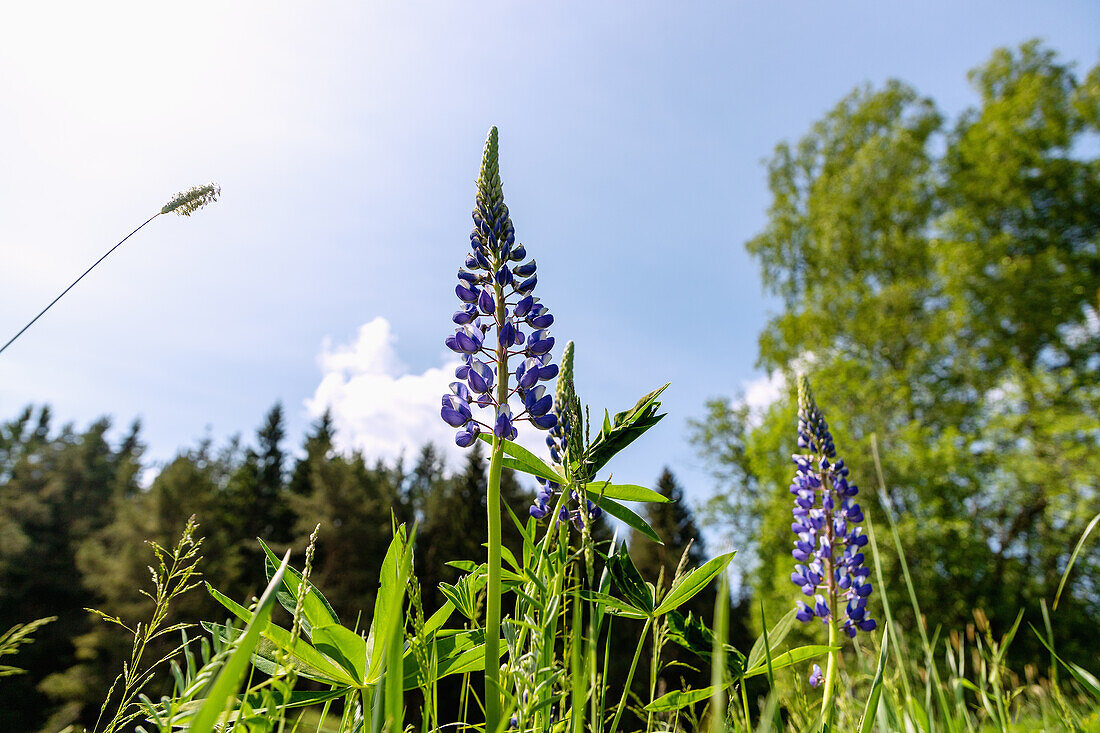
[{"x": 940, "y": 284}]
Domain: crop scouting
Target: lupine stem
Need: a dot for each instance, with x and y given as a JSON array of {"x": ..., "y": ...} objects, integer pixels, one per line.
[
  {"x": 492, "y": 500},
  {"x": 653, "y": 661},
  {"x": 827, "y": 707},
  {"x": 492, "y": 605}
]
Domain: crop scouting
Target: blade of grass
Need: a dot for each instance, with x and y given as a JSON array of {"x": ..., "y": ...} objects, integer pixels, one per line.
[
  {"x": 867, "y": 724},
  {"x": 1073, "y": 558},
  {"x": 930, "y": 657}
]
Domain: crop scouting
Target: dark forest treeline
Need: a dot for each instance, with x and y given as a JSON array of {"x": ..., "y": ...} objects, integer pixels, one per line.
[{"x": 75, "y": 516}]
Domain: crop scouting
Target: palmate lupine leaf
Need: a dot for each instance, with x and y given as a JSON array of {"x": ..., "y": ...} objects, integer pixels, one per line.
[
  {"x": 693, "y": 634},
  {"x": 456, "y": 652},
  {"x": 628, "y": 583},
  {"x": 688, "y": 586},
  {"x": 625, "y": 514},
  {"x": 613, "y": 605},
  {"x": 522, "y": 460},
  {"x": 626, "y": 492},
  {"x": 269, "y": 657},
  {"x": 228, "y": 681},
  {"x": 616, "y": 434},
  {"x": 345, "y": 647},
  {"x": 316, "y": 610},
  {"x": 281, "y": 638}
]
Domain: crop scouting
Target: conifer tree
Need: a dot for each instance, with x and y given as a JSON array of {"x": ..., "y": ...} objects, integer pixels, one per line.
[
  {"x": 57, "y": 494},
  {"x": 674, "y": 523}
]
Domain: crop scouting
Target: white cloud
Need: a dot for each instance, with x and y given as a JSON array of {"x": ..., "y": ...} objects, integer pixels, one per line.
[
  {"x": 760, "y": 393},
  {"x": 378, "y": 406},
  {"x": 383, "y": 409},
  {"x": 763, "y": 391}
]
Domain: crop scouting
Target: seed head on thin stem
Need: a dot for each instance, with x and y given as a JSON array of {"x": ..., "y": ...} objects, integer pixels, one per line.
[{"x": 186, "y": 203}]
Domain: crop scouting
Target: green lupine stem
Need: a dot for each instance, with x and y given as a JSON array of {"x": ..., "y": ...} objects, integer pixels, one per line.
[
  {"x": 653, "y": 660},
  {"x": 492, "y": 502},
  {"x": 828, "y": 709},
  {"x": 492, "y": 605},
  {"x": 630, "y": 677}
]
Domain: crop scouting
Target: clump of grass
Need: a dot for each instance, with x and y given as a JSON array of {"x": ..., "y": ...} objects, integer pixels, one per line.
[{"x": 176, "y": 573}]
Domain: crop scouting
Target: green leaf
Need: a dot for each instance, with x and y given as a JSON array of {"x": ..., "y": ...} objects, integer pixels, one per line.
[
  {"x": 868, "y": 722},
  {"x": 1083, "y": 676},
  {"x": 389, "y": 603},
  {"x": 437, "y": 619},
  {"x": 346, "y": 647},
  {"x": 539, "y": 472},
  {"x": 627, "y": 517},
  {"x": 628, "y": 582},
  {"x": 525, "y": 461},
  {"x": 228, "y": 681},
  {"x": 269, "y": 657},
  {"x": 462, "y": 595},
  {"x": 624, "y": 429},
  {"x": 316, "y": 610},
  {"x": 1073, "y": 558},
  {"x": 466, "y": 566},
  {"x": 625, "y": 492},
  {"x": 678, "y": 699},
  {"x": 775, "y": 637},
  {"x": 692, "y": 633},
  {"x": 280, "y": 637},
  {"x": 691, "y": 584},
  {"x": 613, "y": 605},
  {"x": 454, "y": 653},
  {"x": 794, "y": 656}
]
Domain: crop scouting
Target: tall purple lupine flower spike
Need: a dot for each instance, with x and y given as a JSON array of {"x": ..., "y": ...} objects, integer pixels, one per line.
[
  {"x": 495, "y": 289},
  {"x": 828, "y": 544}
]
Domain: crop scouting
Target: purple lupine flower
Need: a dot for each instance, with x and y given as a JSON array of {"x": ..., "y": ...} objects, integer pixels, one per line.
[
  {"x": 827, "y": 543},
  {"x": 544, "y": 498},
  {"x": 456, "y": 411},
  {"x": 495, "y": 287},
  {"x": 815, "y": 676}
]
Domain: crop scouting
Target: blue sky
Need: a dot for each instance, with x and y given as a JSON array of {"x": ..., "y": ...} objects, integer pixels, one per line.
[{"x": 346, "y": 137}]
